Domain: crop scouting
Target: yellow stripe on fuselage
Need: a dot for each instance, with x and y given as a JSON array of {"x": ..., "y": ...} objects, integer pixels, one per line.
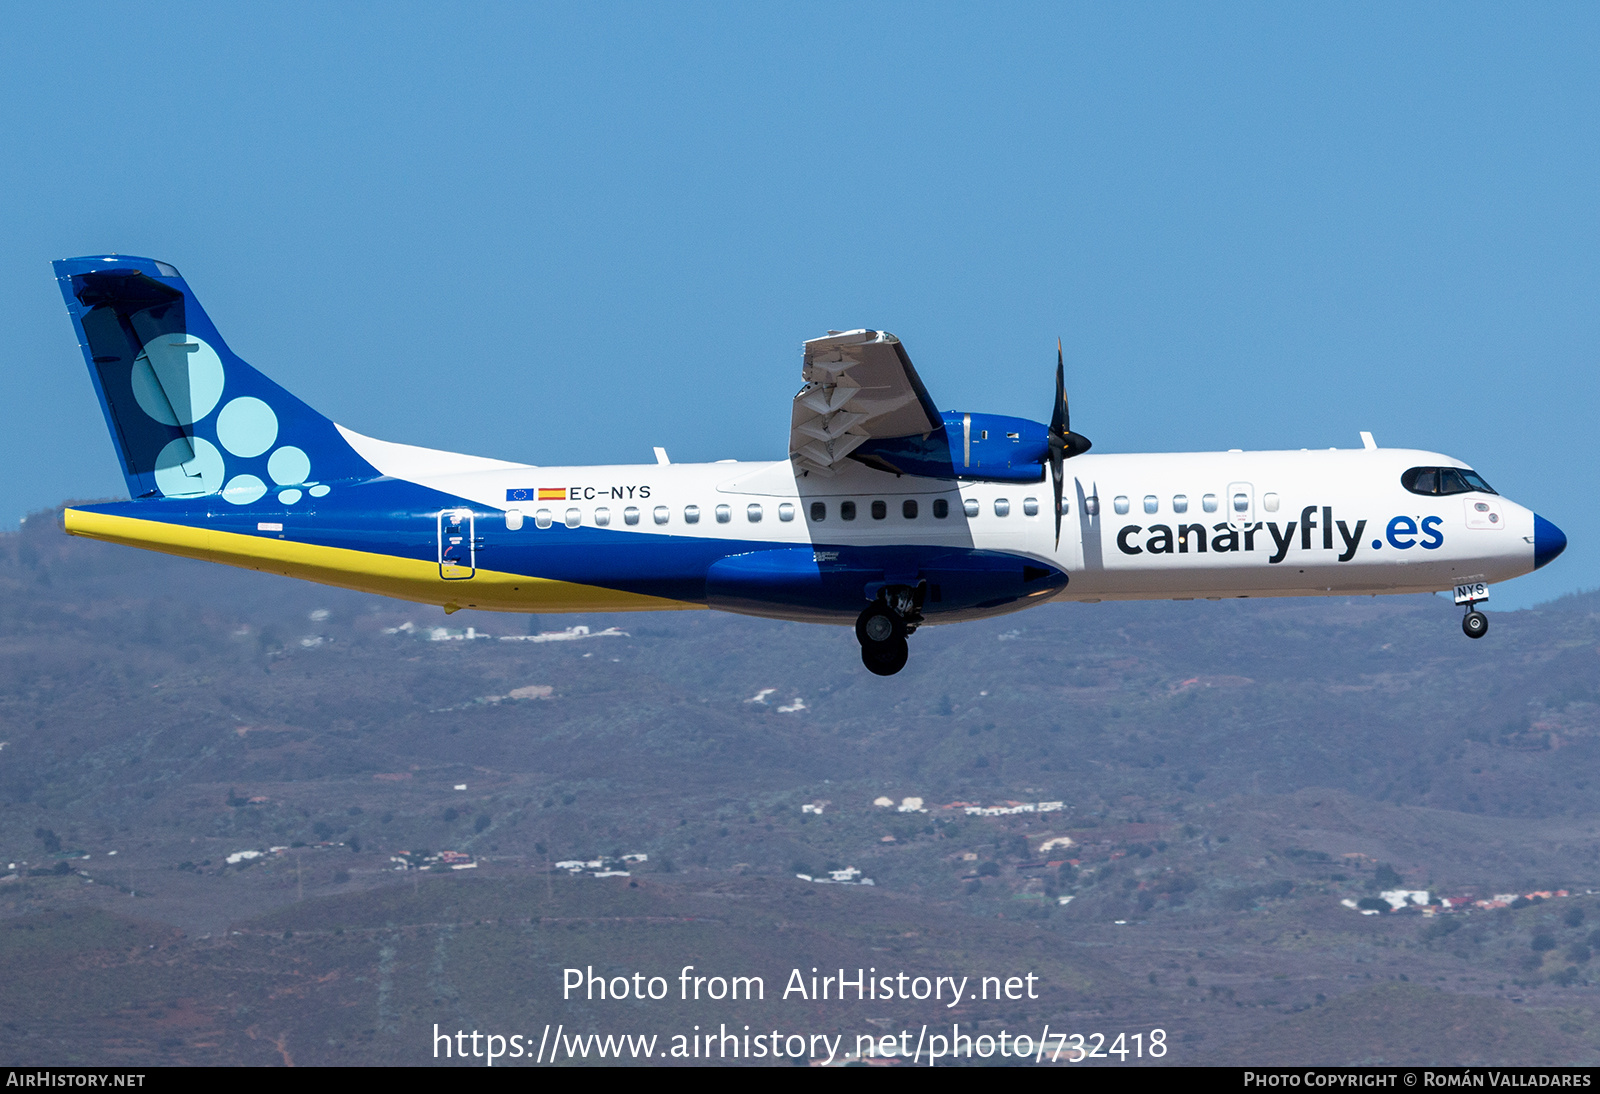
[{"x": 366, "y": 571}]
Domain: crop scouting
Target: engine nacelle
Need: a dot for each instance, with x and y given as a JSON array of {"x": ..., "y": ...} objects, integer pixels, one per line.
[{"x": 982, "y": 447}]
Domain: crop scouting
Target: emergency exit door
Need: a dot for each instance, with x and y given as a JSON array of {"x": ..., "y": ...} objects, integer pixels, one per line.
[{"x": 1241, "y": 503}]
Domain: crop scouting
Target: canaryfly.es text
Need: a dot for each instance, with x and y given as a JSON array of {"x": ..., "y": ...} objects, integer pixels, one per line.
[{"x": 1316, "y": 530}]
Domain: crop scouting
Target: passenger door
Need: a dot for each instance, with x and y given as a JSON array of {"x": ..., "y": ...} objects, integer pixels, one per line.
[{"x": 458, "y": 547}]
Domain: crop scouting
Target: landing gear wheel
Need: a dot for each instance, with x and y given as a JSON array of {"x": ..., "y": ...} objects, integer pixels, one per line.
[
  {"x": 878, "y": 624},
  {"x": 882, "y": 629},
  {"x": 885, "y": 658},
  {"x": 1475, "y": 624}
]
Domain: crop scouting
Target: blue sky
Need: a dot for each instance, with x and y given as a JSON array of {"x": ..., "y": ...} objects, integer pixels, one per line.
[{"x": 565, "y": 235}]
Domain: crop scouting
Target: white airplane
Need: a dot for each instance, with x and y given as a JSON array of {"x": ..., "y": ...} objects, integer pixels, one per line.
[{"x": 888, "y": 514}]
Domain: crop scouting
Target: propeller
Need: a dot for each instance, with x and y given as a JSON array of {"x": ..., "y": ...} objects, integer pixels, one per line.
[{"x": 1064, "y": 443}]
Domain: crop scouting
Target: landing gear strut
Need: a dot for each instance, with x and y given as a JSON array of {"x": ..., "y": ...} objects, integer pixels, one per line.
[{"x": 883, "y": 627}]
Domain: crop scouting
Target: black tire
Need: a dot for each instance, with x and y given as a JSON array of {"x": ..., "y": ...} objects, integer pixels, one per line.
[
  {"x": 878, "y": 625},
  {"x": 1475, "y": 625},
  {"x": 885, "y": 658}
]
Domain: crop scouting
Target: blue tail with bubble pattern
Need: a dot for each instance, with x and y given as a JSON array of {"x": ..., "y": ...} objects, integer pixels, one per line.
[{"x": 188, "y": 417}]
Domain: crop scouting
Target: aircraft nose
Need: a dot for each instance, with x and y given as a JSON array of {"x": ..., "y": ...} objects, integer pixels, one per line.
[{"x": 1548, "y": 541}]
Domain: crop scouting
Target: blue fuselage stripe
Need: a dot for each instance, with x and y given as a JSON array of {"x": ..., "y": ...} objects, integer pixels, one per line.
[{"x": 397, "y": 518}]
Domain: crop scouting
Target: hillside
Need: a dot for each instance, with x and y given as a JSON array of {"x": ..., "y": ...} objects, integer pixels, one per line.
[{"x": 1208, "y": 781}]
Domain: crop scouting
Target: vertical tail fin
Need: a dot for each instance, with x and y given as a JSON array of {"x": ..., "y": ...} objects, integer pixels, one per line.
[{"x": 187, "y": 416}]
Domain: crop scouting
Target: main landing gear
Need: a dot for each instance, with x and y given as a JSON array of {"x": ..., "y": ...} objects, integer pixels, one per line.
[{"x": 884, "y": 626}]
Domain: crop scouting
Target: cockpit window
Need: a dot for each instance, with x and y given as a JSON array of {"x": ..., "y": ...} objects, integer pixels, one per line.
[
  {"x": 1444, "y": 480},
  {"x": 1459, "y": 480}
]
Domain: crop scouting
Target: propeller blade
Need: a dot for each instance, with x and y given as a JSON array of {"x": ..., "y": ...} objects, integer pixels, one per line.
[
  {"x": 1060, "y": 419},
  {"x": 1056, "y": 475},
  {"x": 1064, "y": 443},
  {"x": 1060, "y": 426}
]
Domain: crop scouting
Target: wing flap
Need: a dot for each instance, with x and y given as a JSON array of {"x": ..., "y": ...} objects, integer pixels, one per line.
[{"x": 859, "y": 386}]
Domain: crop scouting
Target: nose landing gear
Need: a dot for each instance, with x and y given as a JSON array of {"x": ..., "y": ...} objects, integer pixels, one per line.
[
  {"x": 882, "y": 629},
  {"x": 1474, "y": 624}
]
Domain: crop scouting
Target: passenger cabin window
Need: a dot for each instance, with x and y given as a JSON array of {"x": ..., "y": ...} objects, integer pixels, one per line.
[
  {"x": 691, "y": 514},
  {"x": 752, "y": 513},
  {"x": 1120, "y": 504},
  {"x": 785, "y": 511},
  {"x": 1030, "y": 507},
  {"x": 1444, "y": 480},
  {"x": 574, "y": 518},
  {"x": 969, "y": 506},
  {"x": 1091, "y": 506},
  {"x": 908, "y": 509},
  {"x": 1180, "y": 503},
  {"x": 1152, "y": 504},
  {"x": 513, "y": 519},
  {"x": 1209, "y": 503},
  {"x": 541, "y": 519},
  {"x": 630, "y": 515},
  {"x": 1241, "y": 503},
  {"x": 724, "y": 514},
  {"x": 1269, "y": 502},
  {"x": 847, "y": 510},
  {"x": 819, "y": 511},
  {"x": 879, "y": 510},
  {"x": 941, "y": 508},
  {"x": 662, "y": 514},
  {"x": 602, "y": 518},
  {"x": 1002, "y": 507}
]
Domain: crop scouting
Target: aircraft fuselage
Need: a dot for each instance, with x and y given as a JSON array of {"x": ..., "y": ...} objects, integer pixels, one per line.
[
  {"x": 888, "y": 513},
  {"x": 760, "y": 539}
]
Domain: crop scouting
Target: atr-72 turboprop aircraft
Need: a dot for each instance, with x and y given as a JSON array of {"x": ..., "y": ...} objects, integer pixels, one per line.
[{"x": 887, "y": 514}]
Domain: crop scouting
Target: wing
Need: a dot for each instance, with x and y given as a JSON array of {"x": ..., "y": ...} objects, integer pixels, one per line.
[{"x": 859, "y": 386}]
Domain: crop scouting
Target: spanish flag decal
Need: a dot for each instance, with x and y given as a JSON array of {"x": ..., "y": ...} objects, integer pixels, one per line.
[{"x": 552, "y": 493}]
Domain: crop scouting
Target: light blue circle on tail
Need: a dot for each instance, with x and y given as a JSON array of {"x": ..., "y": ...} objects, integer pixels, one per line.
[
  {"x": 289, "y": 466},
  {"x": 177, "y": 380},
  {"x": 247, "y": 426},
  {"x": 244, "y": 489},
  {"x": 189, "y": 467}
]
